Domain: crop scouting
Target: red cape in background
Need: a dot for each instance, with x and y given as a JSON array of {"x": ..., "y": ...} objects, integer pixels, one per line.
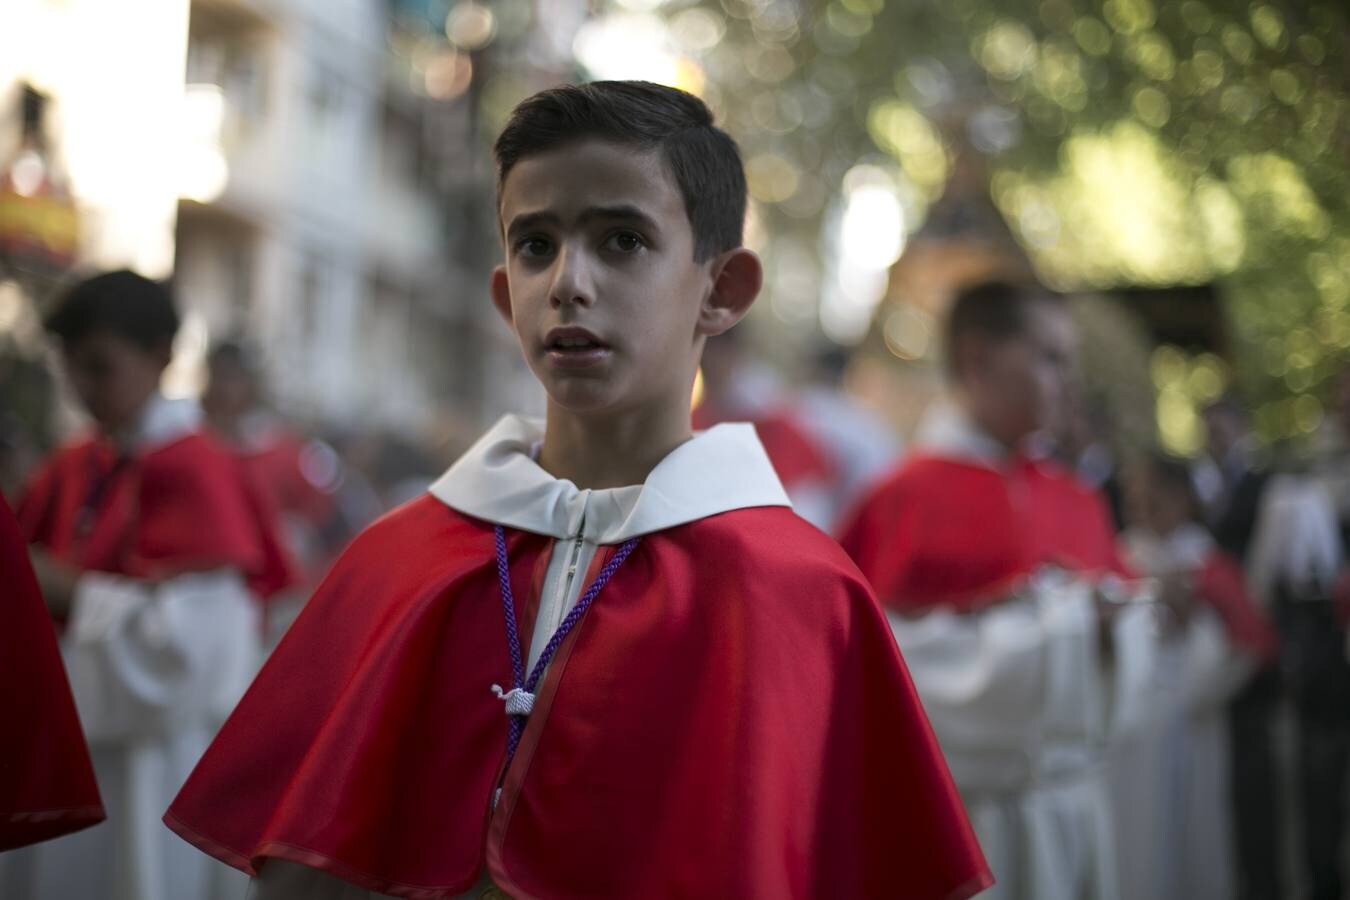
[
  {"x": 946, "y": 532},
  {"x": 278, "y": 469},
  {"x": 731, "y": 718},
  {"x": 1221, "y": 585},
  {"x": 181, "y": 507},
  {"x": 795, "y": 456},
  {"x": 47, "y": 785}
]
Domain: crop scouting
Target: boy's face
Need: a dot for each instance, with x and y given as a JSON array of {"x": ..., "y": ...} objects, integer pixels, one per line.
[
  {"x": 1165, "y": 510},
  {"x": 1018, "y": 384},
  {"x": 113, "y": 377},
  {"x": 600, "y": 283}
]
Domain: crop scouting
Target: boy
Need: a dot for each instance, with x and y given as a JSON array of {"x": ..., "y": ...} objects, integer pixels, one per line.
[
  {"x": 47, "y": 786},
  {"x": 1170, "y": 782},
  {"x": 1010, "y": 665},
  {"x": 145, "y": 542},
  {"x": 720, "y": 713}
]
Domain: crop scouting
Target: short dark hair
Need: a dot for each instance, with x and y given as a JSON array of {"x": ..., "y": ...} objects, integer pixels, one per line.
[
  {"x": 123, "y": 303},
  {"x": 701, "y": 157},
  {"x": 995, "y": 309},
  {"x": 232, "y": 354}
]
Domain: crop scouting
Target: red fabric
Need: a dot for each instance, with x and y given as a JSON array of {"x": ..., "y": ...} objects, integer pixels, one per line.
[
  {"x": 1220, "y": 585},
  {"x": 731, "y": 718},
  {"x": 276, "y": 469},
  {"x": 181, "y": 507},
  {"x": 47, "y": 785},
  {"x": 797, "y": 459},
  {"x": 945, "y": 532}
]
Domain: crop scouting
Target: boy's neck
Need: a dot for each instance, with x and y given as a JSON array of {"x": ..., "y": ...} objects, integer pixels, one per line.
[
  {"x": 609, "y": 451},
  {"x": 126, "y": 434}
]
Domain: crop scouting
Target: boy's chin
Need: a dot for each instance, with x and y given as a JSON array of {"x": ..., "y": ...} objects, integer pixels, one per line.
[{"x": 593, "y": 399}]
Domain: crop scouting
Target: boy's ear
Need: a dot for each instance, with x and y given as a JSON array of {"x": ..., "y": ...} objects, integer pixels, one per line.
[
  {"x": 737, "y": 277},
  {"x": 500, "y": 289}
]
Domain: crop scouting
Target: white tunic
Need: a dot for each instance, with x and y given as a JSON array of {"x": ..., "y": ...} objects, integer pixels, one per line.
[
  {"x": 1024, "y": 705},
  {"x": 154, "y": 670},
  {"x": 1170, "y": 780},
  {"x": 498, "y": 480}
]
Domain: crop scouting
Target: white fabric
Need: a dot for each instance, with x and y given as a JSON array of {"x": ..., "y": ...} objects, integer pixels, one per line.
[
  {"x": 1024, "y": 704},
  {"x": 1170, "y": 781},
  {"x": 860, "y": 446},
  {"x": 154, "y": 669},
  {"x": 162, "y": 422},
  {"x": 947, "y": 430},
  {"x": 1297, "y": 538},
  {"x": 717, "y": 470},
  {"x": 499, "y": 480}
]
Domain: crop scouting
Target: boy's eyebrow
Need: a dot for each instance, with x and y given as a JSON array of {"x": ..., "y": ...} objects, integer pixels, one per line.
[{"x": 622, "y": 212}]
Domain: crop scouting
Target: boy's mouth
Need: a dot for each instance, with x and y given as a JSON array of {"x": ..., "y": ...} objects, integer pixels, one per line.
[{"x": 574, "y": 347}]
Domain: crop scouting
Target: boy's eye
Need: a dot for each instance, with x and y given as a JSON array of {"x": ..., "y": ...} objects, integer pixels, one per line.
[
  {"x": 625, "y": 241},
  {"x": 534, "y": 246}
]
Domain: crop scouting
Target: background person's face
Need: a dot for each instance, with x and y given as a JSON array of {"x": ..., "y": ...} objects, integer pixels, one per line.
[
  {"x": 113, "y": 377},
  {"x": 230, "y": 391},
  {"x": 1223, "y": 430},
  {"x": 1018, "y": 385}
]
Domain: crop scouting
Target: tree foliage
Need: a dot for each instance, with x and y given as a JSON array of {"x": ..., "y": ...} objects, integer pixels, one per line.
[{"x": 1129, "y": 143}]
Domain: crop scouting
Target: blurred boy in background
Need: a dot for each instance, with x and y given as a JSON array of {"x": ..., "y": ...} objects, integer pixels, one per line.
[
  {"x": 152, "y": 553},
  {"x": 1170, "y": 781}
]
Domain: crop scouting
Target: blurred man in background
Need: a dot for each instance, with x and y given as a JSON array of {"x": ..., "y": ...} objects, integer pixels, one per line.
[
  {"x": 1232, "y": 481},
  {"x": 1314, "y": 604},
  {"x": 1085, "y": 442},
  {"x": 295, "y": 474},
  {"x": 152, "y": 551},
  {"x": 999, "y": 571},
  {"x": 1170, "y": 780}
]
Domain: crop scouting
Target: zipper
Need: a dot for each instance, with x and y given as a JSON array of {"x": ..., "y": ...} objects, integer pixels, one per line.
[{"x": 571, "y": 570}]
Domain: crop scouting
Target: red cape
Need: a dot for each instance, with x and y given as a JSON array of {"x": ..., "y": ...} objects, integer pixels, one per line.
[
  {"x": 182, "y": 507},
  {"x": 731, "y": 718},
  {"x": 47, "y": 785},
  {"x": 948, "y": 532},
  {"x": 795, "y": 455},
  {"x": 278, "y": 470},
  {"x": 1220, "y": 584}
]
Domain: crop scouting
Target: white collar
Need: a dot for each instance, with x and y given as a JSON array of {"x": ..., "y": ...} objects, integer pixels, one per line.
[
  {"x": 716, "y": 471},
  {"x": 162, "y": 422},
  {"x": 1186, "y": 549},
  {"x": 947, "y": 430}
]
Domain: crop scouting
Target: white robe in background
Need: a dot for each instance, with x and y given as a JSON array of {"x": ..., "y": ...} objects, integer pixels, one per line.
[
  {"x": 1170, "y": 779},
  {"x": 154, "y": 670},
  {"x": 1025, "y": 704}
]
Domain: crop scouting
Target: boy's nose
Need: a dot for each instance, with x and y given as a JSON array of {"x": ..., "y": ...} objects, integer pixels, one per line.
[{"x": 572, "y": 279}]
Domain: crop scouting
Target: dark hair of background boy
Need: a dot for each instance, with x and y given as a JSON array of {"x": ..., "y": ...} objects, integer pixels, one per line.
[
  {"x": 121, "y": 303},
  {"x": 701, "y": 157},
  {"x": 1000, "y": 310}
]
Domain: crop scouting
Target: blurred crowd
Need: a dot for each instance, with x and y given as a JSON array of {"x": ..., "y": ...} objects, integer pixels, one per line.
[{"x": 1214, "y": 768}]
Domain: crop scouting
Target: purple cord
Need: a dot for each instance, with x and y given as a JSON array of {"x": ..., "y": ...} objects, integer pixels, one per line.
[{"x": 517, "y": 723}]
